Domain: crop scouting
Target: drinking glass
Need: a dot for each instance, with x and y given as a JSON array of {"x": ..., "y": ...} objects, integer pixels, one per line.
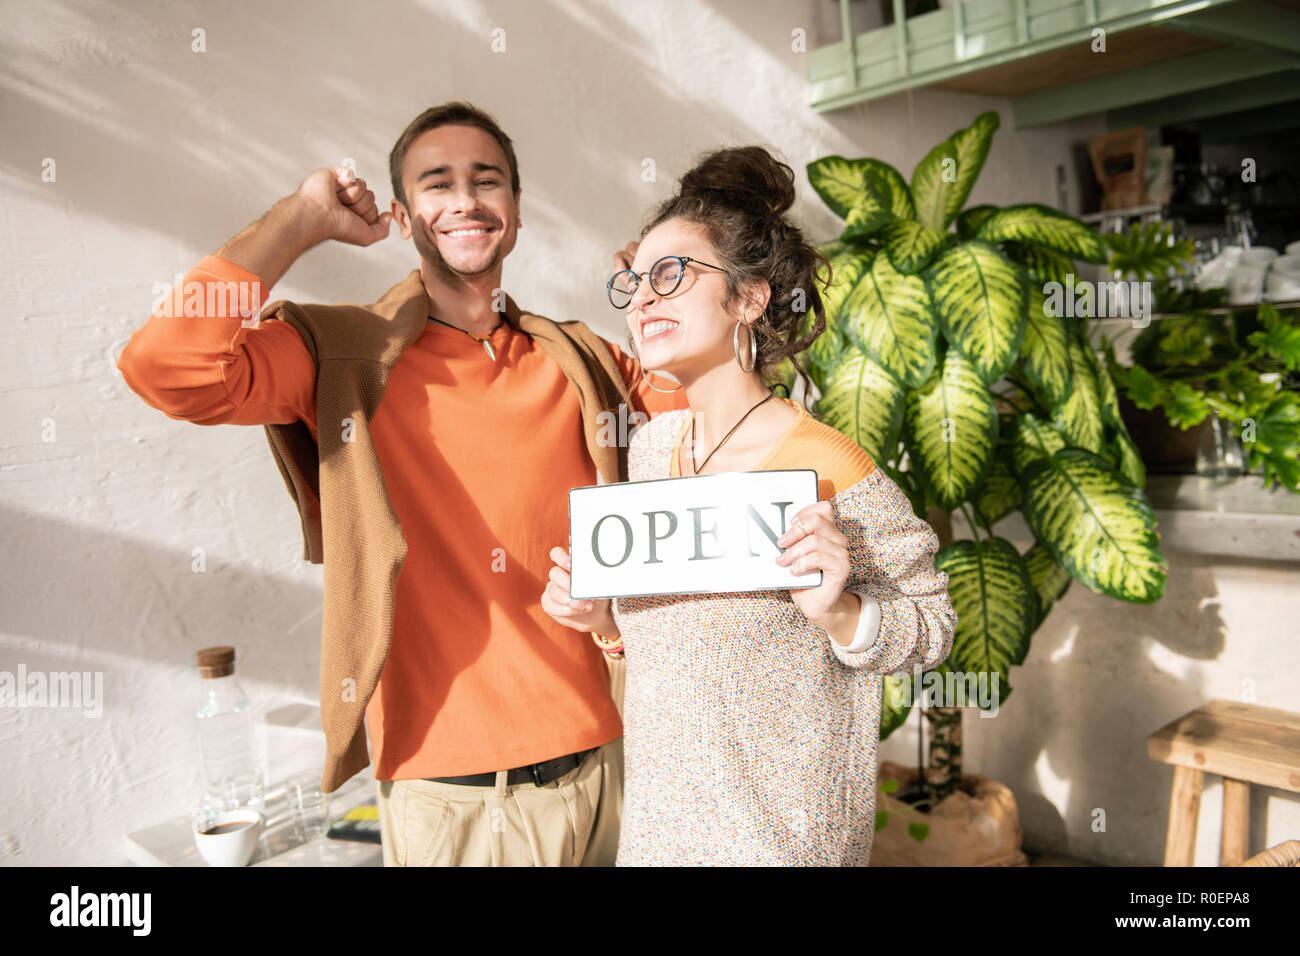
[
  {"x": 1240, "y": 228},
  {"x": 309, "y": 804},
  {"x": 1220, "y": 454}
]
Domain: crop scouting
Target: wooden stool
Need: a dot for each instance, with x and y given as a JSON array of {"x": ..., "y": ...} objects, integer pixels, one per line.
[{"x": 1245, "y": 744}]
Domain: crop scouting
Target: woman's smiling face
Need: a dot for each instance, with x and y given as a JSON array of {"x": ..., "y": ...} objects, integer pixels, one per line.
[{"x": 690, "y": 330}]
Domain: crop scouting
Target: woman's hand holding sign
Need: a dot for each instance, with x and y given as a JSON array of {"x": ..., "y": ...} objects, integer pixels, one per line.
[
  {"x": 581, "y": 615},
  {"x": 814, "y": 543}
]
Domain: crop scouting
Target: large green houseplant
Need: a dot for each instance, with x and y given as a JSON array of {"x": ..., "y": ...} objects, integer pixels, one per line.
[{"x": 942, "y": 362}]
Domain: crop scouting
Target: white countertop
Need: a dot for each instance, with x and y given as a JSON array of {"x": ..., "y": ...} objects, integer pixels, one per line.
[{"x": 171, "y": 843}]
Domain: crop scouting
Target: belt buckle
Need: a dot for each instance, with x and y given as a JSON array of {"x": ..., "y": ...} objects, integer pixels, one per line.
[{"x": 537, "y": 775}]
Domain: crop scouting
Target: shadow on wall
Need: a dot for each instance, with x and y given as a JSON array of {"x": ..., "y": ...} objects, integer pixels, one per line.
[
  {"x": 150, "y": 137},
  {"x": 127, "y": 618},
  {"x": 132, "y": 601},
  {"x": 118, "y": 98},
  {"x": 1135, "y": 660},
  {"x": 156, "y": 145}
]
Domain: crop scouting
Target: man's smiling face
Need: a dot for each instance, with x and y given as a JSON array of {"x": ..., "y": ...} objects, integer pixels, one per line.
[{"x": 459, "y": 207}]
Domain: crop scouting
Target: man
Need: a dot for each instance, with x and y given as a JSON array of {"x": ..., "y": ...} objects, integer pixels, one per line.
[{"x": 493, "y": 731}]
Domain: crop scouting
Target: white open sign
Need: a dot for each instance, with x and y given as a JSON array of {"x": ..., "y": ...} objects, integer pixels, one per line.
[{"x": 705, "y": 535}]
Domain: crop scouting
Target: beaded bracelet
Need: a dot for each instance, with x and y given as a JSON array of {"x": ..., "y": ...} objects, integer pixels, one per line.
[{"x": 607, "y": 646}]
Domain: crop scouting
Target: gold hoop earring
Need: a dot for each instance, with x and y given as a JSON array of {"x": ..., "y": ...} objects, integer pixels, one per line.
[
  {"x": 632, "y": 348},
  {"x": 735, "y": 344}
]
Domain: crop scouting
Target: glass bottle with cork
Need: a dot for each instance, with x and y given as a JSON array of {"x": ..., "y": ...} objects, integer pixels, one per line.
[{"x": 233, "y": 775}]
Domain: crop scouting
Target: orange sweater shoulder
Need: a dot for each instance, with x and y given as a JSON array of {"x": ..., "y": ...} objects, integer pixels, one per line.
[{"x": 839, "y": 461}]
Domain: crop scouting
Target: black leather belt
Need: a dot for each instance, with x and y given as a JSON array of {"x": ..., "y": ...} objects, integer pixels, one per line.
[{"x": 535, "y": 773}]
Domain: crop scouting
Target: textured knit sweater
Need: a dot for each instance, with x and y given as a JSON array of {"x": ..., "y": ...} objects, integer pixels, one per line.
[{"x": 749, "y": 736}]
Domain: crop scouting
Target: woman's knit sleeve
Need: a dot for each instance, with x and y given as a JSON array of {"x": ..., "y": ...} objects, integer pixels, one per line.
[{"x": 891, "y": 553}]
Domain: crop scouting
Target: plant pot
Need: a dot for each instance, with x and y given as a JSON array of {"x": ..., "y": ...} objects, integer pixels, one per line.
[
  {"x": 1165, "y": 448},
  {"x": 977, "y": 825}
]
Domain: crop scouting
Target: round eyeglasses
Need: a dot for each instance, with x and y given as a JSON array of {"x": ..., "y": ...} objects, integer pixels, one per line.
[{"x": 665, "y": 276}]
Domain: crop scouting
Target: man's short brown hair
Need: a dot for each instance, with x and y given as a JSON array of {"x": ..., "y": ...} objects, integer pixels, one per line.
[{"x": 448, "y": 114}]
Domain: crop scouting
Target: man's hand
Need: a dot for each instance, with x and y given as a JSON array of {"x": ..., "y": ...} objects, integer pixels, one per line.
[
  {"x": 335, "y": 205},
  {"x": 330, "y": 204},
  {"x": 623, "y": 258}
]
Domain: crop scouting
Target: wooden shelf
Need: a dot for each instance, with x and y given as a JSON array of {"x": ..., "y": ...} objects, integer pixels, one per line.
[
  {"x": 1043, "y": 71},
  {"x": 1127, "y": 213},
  {"x": 1040, "y": 53},
  {"x": 1216, "y": 310}
]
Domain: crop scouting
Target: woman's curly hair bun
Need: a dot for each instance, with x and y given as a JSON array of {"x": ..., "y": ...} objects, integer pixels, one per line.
[{"x": 740, "y": 196}]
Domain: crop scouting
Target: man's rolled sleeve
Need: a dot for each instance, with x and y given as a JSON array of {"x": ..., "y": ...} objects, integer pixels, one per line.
[{"x": 202, "y": 358}]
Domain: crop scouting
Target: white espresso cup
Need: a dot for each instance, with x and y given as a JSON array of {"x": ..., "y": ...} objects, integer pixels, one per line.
[
  {"x": 1258, "y": 256},
  {"x": 1245, "y": 285},
  {"x": 230, "y": 838}
]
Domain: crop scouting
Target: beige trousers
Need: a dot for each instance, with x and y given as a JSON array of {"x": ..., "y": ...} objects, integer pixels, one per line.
[{"x": 571, "y": 821}]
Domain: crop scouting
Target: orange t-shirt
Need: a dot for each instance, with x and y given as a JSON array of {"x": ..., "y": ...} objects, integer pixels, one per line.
[{"x": 478, "y": 458}]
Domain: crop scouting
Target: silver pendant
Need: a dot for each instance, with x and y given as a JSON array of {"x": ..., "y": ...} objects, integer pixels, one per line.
[{"x": 487, "y": 347}]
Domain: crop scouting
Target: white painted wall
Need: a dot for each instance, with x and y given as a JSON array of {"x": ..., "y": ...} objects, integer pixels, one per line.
[
  {"x": 163, "y": 153},
  {"x": 1102, "y": 675}
]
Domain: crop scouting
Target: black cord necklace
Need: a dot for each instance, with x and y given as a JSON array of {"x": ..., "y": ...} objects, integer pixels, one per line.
[
  {"x": 481, "y": 339},
  {"x": 770, "y": 394}
]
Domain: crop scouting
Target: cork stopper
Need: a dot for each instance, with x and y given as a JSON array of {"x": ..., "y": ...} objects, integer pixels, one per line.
[{"x": 216, "y": 661}]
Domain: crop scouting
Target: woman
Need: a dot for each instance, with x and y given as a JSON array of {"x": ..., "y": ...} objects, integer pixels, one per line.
[{"x": 751, "y": 719}]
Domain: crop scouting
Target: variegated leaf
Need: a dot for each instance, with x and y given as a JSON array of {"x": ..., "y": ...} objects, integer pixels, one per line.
[
  {"x": 824, "y": 353},
  {"x": 1098, "y": 526},
  {"x": 852, "y": 189},
  {"x": 1107, "y": 398},
  {"x": 970, "y": 220},
  {"x": 910, "y": 245},
  {"x": 890, "y": 179},
  {"x": 1124, "y": 455},
  {"x": 825, "y": 349},
  {"x": 864, "y": 402},
  {"x": 1042, "y": 265},
  {"x": 998, "y": 494},
  {"x": 951, "y": 427},
  {"x": 840, "y": 182},
  {"x": 1050, "y": 579},
  {"x": 942, "y": 180},
  {"x": 1044, "y": 354},
  {"x": 995, "y": 602},
  {"x": 1033, "y": 438},
  {"x": 896, "y": 699},
  {"x": 865, "y": 219},
  {"x": 979, "y": 297},
  {"x": 885, "y": 314},
  {"x": 1040, "y": 225},
  {"x": 1079, "y": 416}
]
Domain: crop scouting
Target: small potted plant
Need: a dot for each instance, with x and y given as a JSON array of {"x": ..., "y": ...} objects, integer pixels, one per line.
[{"x": 1227, "y": 378}]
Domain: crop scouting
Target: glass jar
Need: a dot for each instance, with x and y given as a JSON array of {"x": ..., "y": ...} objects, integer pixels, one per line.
[{"x": 1220, "y": 453}]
